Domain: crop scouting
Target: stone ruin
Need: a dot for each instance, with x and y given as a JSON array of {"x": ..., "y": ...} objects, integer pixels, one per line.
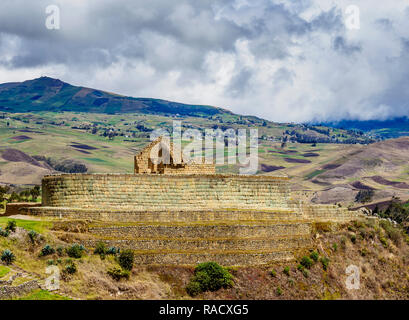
[
  {"x": 163, "y": 157},
  {"x": 184, "y": 214}
]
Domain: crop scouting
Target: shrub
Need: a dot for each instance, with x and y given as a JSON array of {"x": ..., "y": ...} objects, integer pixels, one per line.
[
  {"x": 100, "y": 248},
  {"x": 112, "y": 250},
  {"x": 70, "y": 268},
  {"x": 11, "y": 226},
  {"x": 334, "y": 246},
  {"x": 60, "y": 250},
  {"x": 212, "y": 276},
  {"x": 118, "y": 273},
  {"x": 363, "y": 233},
  {"x": 75, "y": 251},
  {"x": 50, "y": 262},
  {"x": 397, "y": 211},
  {"x": 279, "y": 292},
  {"x": 358, "y": 224},
  {"x": 364, "y": 196},
  {"x": 193, "y": 288},
  {"x": 384, "y": 242},
  {"x": 46, "y": 250},
  {"x": 322, "y": 226},
  {"x": 4, "y": 233},
  {"x": 125, "y": 259},
  {"x": 8, "y": 257},
  {"x": 306, "y": 262},
  {"x": 324, "y": 262},
  {"x": 343, "y": 242},
  {"x": 32, "y": 236},
  {"x": 14, "y": 197},
  {"x": 314, "y": 256},
  {"x": 353, "y": 238},
  {"x": 305, "y": 273},
  {"x": 209, "y": 276},
  {"x": 287, "y": 271},
  {"x": 393, "y": 233},
  {"x": 273, "y": 273}
]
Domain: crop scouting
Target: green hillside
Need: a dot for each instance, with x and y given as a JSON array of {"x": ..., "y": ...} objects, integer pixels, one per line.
[{"x": 48, "y": 94}]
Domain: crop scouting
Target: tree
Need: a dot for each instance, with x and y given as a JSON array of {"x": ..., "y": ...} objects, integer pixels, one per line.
[
  {"x": 364, "y": 196},
  {"x": 24, "y": 194},
  {"x": 375, "y": 210},
  {"x": 209, "y": 276},
  {"x": 126, "y": 259},
  {"x": 3, "y": 191},
  {"x": 35, "y": 193},
  {"x": 14, "y": 197},
  {"x": 397, "y": 212}
]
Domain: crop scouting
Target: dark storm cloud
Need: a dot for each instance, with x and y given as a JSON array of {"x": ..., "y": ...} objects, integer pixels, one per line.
[
  {"x": 277, "y": 55},
  {"x": 123, "y": 28}
]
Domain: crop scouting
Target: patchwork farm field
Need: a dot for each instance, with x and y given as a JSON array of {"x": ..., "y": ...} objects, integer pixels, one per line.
[
  {"x": 69, "y": 135},
  {"x": 35, "y": 144}
]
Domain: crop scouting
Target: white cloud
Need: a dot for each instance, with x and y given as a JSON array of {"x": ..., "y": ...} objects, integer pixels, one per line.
[{"x": 285, "y": 61}]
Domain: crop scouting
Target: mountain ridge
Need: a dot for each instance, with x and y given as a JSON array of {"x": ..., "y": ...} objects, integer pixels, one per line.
[
  {"x": 49, "y": 94},
  {"x": 388, "y": 129}
]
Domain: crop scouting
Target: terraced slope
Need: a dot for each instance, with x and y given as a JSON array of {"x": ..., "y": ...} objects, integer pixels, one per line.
[{"x": 186, "y": 219}]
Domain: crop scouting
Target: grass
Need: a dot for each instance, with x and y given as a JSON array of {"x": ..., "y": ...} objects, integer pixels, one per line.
[
  {"x": 20, "y": 280},
  {"x": 38, "y": 226},
  {"x": 314, "y": 174},
  {"x": 94, "y": 160},
  {"x": 43, "y": 295},
  {"x": 3, "y": 271}
]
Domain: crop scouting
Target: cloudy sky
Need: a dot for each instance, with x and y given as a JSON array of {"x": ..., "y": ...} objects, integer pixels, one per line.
[{"x": 281, "y": 60}]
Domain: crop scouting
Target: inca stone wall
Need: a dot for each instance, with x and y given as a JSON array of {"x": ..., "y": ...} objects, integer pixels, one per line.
[
  {"x": 168, "y": 192},
  {"x": 7, "y": 292},
  {"x": 13, "y": 208},
  {"x": 187, "y": 219}
]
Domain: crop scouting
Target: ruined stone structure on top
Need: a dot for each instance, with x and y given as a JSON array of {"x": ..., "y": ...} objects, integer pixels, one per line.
[
  {"x": 176, "y": 214},
  {"x": 163, "y": 157}
]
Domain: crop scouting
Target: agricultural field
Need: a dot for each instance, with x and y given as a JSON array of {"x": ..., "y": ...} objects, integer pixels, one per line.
[{"x": 35, "y": 144}]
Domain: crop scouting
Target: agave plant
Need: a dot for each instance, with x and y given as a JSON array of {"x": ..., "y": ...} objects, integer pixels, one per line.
[
  {"x": 32, "y": 235},
  {"x": 112, "y": 250},
  {"x": 47, "y": 250},
  {"x": 4, "y": 233},
  {"x": 8, "y": 257},
  {"x": 11, "y": 226}
]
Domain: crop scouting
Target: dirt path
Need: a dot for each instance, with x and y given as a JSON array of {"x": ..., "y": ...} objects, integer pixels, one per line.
[{"x": 24, "y": 217}]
